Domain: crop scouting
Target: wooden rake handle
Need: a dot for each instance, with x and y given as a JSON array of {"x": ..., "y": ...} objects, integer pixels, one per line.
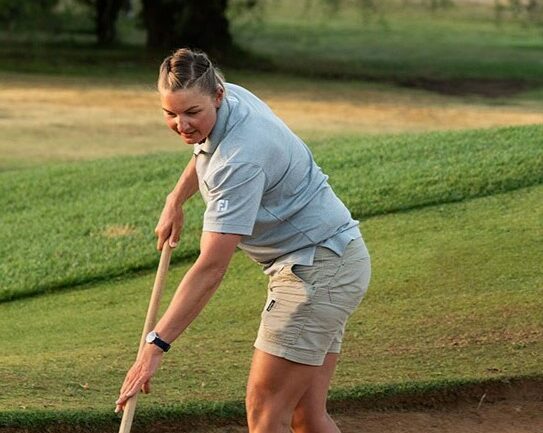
[{"x": 150, "y": 322}]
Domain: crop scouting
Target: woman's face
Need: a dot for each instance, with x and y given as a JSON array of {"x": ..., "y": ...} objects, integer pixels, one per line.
[{"x": 191, "y": 113}]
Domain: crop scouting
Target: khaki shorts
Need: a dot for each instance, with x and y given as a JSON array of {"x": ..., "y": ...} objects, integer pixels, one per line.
[{"x": 308, "y": 306}]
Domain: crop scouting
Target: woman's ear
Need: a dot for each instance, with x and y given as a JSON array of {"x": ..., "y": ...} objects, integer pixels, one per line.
[{"x": 219, "y": 96}]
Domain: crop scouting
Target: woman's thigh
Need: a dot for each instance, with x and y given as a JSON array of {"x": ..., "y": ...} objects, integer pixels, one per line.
[{"x": 278, "y": 385}]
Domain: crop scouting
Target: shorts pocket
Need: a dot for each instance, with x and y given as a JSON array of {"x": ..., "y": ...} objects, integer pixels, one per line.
[
  {"x": 287, "y": 308},
  {"x": 285, "y": 277},
  {"x": 315, "y": 275},
  {"x": 308, "y": 274}
]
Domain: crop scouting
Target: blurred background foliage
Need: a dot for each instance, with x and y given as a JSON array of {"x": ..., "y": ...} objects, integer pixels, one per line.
[{"x": 166, "y": 24}]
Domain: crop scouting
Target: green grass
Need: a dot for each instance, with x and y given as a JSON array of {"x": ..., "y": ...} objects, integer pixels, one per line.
[
  {"x": 452, "y": 220},
  {"x": 456, "y": 295},
  {"x": 386, "y": 174},
  {"x": 399, "y": 44},
  {"x": 71, "y": 224}
]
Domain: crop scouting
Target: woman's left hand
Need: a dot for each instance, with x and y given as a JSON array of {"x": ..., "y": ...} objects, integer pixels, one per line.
[{"x": 139, "y": 376}]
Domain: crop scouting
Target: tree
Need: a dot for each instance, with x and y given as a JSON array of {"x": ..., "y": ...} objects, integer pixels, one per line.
[
  {"x": 106, "y": 13},
  {"x": 17, "y": 14},
  {"x": 192, "y": 23},
  {"x": 528, "y": 12}
]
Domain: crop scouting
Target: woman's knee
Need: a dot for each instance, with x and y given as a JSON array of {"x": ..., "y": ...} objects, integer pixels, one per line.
[
  {"x": 303, "y": 414},
  {"x": 307, "y": 420},
  {"x": 254, "y": 400},
  {"x": 265, "y": 408}
]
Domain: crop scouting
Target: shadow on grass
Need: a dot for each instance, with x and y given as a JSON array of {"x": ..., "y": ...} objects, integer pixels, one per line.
[{"x": 128, "y": 62}]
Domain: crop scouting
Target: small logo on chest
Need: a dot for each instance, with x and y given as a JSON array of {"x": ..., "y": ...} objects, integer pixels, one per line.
[{"x": 222, "y": 205}]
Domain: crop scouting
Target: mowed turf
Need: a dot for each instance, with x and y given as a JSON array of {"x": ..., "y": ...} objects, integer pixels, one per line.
[
  {"x": 456, "y": 293},
  {"x": 70, "y": 224},
  {"x": 406, "y": 44}
]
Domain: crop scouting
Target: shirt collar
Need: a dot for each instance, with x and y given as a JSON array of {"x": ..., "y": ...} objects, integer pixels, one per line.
[{"x": 218, "y": 131}]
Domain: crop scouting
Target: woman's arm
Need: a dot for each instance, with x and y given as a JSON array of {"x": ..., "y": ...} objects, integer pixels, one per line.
[
  {"x": 195, "y": 290},
  {"x": 199, "y": 284},
  {"x": 171, "y": 219},
  {"x": 187, "y": 184}
]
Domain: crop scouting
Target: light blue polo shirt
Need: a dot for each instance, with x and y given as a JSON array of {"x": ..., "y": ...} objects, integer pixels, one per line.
[{"x": 259, "y": 180}]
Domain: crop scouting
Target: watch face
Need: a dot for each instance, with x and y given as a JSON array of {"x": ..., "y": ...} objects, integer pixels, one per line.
[{"x": 150, "y": 337}]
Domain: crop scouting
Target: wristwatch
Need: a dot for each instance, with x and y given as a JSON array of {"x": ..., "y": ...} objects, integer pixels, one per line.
[{"x": 153, "y": 338}]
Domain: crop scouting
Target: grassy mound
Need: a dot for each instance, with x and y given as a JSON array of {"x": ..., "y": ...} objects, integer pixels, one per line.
[
  {"x": 70, "y": 224},
  {"x": 456, "y": 295}
]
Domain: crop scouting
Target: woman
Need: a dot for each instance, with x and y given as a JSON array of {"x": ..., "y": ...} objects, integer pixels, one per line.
[{"x": 264, "y": 194}]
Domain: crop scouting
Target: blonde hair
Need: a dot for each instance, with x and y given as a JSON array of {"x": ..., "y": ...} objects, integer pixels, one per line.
[{"x": 185, "y": 69}]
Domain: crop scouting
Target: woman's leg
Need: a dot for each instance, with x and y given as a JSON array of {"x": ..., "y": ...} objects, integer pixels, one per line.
[
  {"x": 278, "y": 387},
  {"x": 310, "y": 414}
]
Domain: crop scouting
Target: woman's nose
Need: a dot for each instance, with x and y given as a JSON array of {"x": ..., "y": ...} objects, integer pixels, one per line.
[{"x": 182, "y": 124}]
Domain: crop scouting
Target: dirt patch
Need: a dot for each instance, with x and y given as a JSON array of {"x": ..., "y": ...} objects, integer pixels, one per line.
[
  {"x": 503, "y": 417},
  {"x": 466, "y": 87},
  {"x": 118, "y": 231}
]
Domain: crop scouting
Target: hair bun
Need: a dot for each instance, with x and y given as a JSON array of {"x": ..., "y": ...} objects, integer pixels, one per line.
[{"x": 186, "y": 68}]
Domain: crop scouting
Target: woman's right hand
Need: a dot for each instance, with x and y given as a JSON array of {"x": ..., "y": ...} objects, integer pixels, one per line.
[{"x": 170, "y": 224}]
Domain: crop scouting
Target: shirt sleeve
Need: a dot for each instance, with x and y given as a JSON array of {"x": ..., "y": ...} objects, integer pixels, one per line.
[{"x": 235, "y": 193}]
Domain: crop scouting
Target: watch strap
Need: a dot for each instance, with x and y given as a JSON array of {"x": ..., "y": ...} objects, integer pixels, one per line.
[{"x": 161, "y": 343}]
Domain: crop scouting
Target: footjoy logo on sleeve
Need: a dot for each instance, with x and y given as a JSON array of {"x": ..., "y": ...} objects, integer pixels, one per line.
[{"x": 222, "y": 205}]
